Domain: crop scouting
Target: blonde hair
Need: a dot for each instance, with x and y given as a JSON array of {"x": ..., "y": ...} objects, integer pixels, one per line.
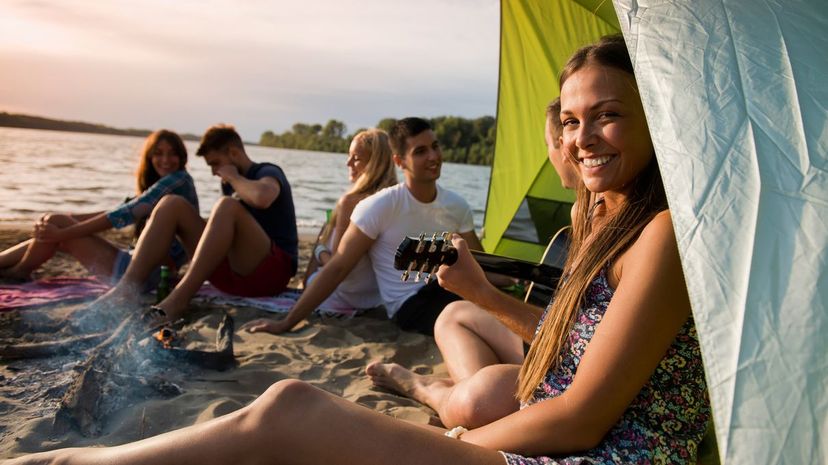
[
  {"x": 379, "y": 172},
  {"x": 586, "y": 258}
]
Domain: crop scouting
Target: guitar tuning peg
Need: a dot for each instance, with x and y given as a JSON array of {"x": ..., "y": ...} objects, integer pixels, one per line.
[
  {"x": 446, "y": 241},
  {"x": 420, "y": 272},
  {"x": 431, "y": 273},
  {"x": 421, "y": 243},
  {"x": 433, "y": 246},
  {"x": 407, "y": 272}
]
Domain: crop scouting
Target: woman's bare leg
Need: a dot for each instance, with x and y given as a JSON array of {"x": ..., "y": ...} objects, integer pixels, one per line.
[
  {"x": 291, "y": 423},
  {"x": 172, "y": 217},
  {"x": 478, "y": 400},
  {"x": 94, "y": 253},
  {"x": 470, "y": 338},
  {"x": 11, "y": 256}
]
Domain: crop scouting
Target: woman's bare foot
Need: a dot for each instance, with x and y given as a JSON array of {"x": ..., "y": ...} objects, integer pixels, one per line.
[
  {"x": 118, "y": 297},
  {"x": 429, "y": 390},
  {"x": 107, "y": 311}
]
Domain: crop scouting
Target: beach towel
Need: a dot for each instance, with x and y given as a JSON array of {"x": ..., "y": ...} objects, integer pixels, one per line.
[
  {"x": 66, "y": 289},
  {"x": 281, "y": 303},
  {"x": 46, "y": 291}
]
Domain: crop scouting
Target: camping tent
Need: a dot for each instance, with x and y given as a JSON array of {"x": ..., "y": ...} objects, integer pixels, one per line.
[
  {"x": 526, "y": 203},
  {"x": 736, "y": 99}
]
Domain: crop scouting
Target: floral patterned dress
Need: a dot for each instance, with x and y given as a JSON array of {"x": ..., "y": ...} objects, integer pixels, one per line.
[{"x": 667, "y": 419}]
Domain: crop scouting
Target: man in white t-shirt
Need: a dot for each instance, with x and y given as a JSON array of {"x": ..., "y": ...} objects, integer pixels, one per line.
[
  {"x": 482, "y": 338},
  {"x": 378, "y": 225}
]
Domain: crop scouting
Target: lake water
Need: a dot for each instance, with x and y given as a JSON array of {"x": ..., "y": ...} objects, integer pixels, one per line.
[{"x": 65, "y": 171}]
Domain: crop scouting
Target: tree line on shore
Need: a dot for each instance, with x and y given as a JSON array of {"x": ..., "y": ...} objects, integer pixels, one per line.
[
  {"x": 463, "y": 140},
  {"x": 13, "y": 120}
]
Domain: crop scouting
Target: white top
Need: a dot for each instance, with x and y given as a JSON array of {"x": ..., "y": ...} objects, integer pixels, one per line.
[
  {"x": 393, "y": 213},
  {"x": 358, "y": 290}
]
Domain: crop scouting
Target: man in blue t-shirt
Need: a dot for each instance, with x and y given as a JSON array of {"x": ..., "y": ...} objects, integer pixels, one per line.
[{"x": 247, "y": 247}]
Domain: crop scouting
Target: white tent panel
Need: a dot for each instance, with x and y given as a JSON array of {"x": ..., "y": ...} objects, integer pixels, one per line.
[{"x": 736, "y": 95}]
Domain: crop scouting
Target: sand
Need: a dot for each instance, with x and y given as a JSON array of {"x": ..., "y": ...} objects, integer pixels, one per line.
[{"x": 330, "y": 354}]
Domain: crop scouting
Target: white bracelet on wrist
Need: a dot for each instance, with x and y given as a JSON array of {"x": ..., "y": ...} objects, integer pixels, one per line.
[
  {"x": 456, "y": 432},
  {"x": 318, "y": 251}
]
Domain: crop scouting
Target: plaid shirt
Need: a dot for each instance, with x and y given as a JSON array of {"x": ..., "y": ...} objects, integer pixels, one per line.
[{"x": 178, "y": 183}]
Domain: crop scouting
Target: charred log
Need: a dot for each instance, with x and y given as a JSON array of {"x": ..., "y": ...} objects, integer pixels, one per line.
[{"x": 16, "y": 351}]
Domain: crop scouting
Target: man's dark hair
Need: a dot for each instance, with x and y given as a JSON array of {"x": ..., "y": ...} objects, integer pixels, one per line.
[
  {"x": 553, "y": 114},
  {"x": 403, "y": 129},
  {"x": 219, "y": 137}
]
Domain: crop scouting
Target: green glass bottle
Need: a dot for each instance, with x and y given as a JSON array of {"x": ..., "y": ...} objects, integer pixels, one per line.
[{"x": 163, "y": 289}]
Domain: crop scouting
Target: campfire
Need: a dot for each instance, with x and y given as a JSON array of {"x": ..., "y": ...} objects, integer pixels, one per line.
[
  {"x": 116, "y": 367},
  {"x": 165, "y": 336}
]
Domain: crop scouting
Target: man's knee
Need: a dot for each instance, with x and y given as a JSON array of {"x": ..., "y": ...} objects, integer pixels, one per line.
[{"x": 226, "y": 205}]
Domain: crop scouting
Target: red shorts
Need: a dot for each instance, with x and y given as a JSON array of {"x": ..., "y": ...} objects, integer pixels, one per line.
[{"x": 269, "y": 278}]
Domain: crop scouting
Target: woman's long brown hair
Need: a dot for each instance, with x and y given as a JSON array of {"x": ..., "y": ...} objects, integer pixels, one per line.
[
  {"x": 588, "y": 255},
  {"x": 145, "y": 175}
]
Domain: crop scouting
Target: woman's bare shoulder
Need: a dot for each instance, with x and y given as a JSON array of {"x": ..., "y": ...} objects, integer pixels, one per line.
[
  {"x": 348, "y": 201},
  {"x": 660, "y": 228},
  {"x": 656, "y": 238}
]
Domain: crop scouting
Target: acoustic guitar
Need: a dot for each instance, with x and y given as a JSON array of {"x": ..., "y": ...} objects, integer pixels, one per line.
[{"x": 423, "y": 255}]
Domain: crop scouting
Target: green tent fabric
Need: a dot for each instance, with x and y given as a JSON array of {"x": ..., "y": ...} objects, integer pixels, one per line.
[
  {"x": 737, "y": 103},
  {"x": 537, "y": 37}
]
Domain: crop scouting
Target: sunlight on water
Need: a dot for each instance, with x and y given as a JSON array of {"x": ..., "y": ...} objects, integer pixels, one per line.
[{"x": 64, "y": 171}]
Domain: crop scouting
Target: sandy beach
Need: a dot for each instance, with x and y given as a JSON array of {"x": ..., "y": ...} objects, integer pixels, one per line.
[{"x": 328, "y": 353}]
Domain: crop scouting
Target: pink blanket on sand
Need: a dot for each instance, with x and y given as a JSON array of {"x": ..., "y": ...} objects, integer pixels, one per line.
[
  {"x": 48, "y": 291},
  {"x": 52, "y": 290}
]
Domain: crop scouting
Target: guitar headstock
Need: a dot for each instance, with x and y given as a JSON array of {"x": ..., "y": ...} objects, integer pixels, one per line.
[{"x": 424, "y": 255}]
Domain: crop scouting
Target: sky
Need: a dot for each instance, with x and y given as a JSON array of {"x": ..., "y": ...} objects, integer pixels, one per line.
[{"x": 258, "y": 64}]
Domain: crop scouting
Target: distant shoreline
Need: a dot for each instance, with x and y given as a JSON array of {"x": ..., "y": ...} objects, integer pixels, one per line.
[{"x": 21, "y": 121}]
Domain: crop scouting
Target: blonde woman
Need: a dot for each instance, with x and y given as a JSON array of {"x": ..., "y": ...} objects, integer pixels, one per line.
[{"x": 370, "y": 169}]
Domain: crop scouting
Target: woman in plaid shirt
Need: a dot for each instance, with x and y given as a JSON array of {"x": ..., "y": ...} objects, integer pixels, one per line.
[{"x": 161, "y": 171}]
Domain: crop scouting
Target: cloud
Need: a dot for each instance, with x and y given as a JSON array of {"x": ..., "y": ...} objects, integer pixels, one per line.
[{"x": 259, "y": 64}]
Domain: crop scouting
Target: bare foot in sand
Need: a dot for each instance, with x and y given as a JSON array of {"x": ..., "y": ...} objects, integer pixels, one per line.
[
  {"x": 118, "y": 296},
  {"x": 429, "y": 390},
  {"x": 105, "y": 312}
]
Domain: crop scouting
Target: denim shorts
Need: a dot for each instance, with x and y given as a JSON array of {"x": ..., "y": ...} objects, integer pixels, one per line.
[{"x": 122, "y": 261}]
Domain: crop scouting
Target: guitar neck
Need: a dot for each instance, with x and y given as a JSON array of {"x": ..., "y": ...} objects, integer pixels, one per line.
[
  {"x": 538, "y": 273},
  {"x": 423, "y": 255}
]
